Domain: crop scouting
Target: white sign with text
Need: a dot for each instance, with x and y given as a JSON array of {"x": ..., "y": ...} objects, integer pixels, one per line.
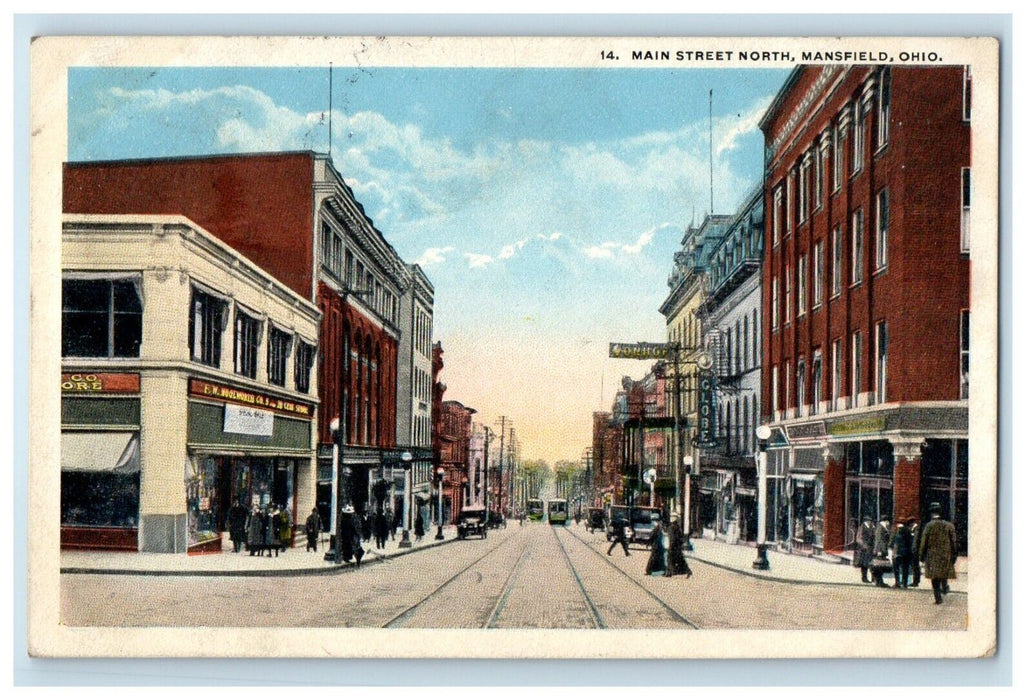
[{"x": 247, "y": 421}]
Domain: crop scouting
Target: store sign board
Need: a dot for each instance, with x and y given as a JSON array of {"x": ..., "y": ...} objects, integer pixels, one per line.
[
  {"x": 247, "y": 421},
  {"x": 640, "y": 351},
  {"x": 100, "y": 383},
  {"x": 806, "y": 430},
  {"x": 706, "y": 409},
  {"x": 244, "y": 397},
  {"x": 859, "y": 426}
]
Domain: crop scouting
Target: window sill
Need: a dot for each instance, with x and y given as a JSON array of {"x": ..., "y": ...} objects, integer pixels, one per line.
[
  {"x": 834, "y": 297},
  {"x": 855, "y": 285},
  {"x": 881, "y": 271}
]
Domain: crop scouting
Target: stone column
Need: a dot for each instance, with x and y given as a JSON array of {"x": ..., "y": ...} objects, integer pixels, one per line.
[{"x": 907, "y": 477}]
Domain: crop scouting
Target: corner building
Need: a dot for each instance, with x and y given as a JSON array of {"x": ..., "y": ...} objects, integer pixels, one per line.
[
  {"x": 865, "y": 301},
  {"x": 185, "y": 388},
  {"x": 295, "y": 217}
]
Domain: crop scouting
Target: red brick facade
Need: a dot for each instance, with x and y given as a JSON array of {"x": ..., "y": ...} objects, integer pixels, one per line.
[{"x": 865, "y": 281}]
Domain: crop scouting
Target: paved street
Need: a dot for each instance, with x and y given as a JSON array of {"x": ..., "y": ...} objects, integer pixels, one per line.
[{"x": 536, "y": 576}]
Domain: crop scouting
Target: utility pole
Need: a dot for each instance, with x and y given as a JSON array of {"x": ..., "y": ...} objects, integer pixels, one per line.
[{"x": 502, "y": 458}]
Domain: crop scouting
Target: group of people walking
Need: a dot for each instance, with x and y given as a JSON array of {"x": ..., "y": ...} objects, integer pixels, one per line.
[
  {"x": 269, "y": 529},
  {"x": 881, "y": 549},
  {"x": 666, "y": 547}
]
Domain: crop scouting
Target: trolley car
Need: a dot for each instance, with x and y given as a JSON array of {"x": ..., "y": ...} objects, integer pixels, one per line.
[
  {"x": 558, "y": 511},
  {"x": 535, "y": 510}
]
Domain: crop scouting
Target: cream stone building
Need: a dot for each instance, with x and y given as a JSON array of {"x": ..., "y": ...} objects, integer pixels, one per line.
[{"x": 187, "y": 386}]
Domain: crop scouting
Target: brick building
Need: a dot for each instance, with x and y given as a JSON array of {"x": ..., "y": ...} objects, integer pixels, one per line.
[
  {"x": 865, "y": 297},
  {"x": 293, "y": 215}
]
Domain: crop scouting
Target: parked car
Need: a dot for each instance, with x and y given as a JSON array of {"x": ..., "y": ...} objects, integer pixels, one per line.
[
  {"x": 643, "y": 522},
  {"x": 596, "y": 520},
  {"x": 472, "y": 521}
]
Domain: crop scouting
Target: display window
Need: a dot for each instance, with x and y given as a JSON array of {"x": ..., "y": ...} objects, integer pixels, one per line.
[{"x": 100, "y": 479}]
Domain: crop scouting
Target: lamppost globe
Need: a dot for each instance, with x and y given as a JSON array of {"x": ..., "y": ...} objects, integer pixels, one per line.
[{"x": 763, "y": 432}]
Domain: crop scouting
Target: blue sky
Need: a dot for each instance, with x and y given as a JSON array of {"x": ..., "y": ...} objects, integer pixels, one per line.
[{"x": 544, "y": 204}]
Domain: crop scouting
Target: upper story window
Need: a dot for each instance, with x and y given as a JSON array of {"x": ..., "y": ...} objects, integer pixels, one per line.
[
  {"x": 246, "y": 338},
  {"x": 790, "y": 194},
  {"x": 882, "y": 234},
  {"x": 801, "y": 385},
  {"x": 774, "y": 303},
  {"x": 304, "y": 357},
  {"x": 277, "y": 351},
  {"x": 805, "y": 190},
  {"x": 857, "y": 256},
  {"x": 966, "y": 208},
  {"x": 881, "y": 344},
  {"x": 858, "y": 145},
  {"x": 838, "y": 146},
  {"x": 333, "y": 249},
  {"x": 801, "y": 285},
  {"x": 855, "y": 370},
  {"x": 837, "y": 260},
  {"x": 964, "y": 353},
  {"x": 349, "y": 268},
  {"x": 816, "y": 380},
  {"x": 819, "y": 173},
  {"x": 101, "y": 317},
  {"x": 789, "y": 293},
  {"x": 776, "y": 216},
  {"x": 882, "y": 132},
  {"x": 837, "y": 372},
  {"x": 966, "y": 101},
  {"x": 819, "y": 273},
  {"x": 207, "y": 317}
]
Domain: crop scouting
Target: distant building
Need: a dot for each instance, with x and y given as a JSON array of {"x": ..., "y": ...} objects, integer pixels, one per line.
[
  {"x": 186, "y": 386},
  {"x": 865, "y": 300}
]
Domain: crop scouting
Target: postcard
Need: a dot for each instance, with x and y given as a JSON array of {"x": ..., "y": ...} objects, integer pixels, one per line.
[{"x": 487, "y": 347}]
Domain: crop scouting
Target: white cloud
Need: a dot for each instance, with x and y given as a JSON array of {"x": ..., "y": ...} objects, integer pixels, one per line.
[
  {"x": 433, "y": 256},
  {"x": 478, "y": 260},
  {"x": 604, "y": 250},
  {"x": 642, "y": 242}
]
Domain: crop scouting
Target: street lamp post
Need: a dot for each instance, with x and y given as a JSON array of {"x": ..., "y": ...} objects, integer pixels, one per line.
[
  {"x": 440, "y": 473},
  {"x": 763, "y": 435},
  {"x": 405, "y": 542}
]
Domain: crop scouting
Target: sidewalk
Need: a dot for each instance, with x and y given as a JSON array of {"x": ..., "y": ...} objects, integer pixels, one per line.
[
  {"x": 795, "y": 568},
  {"x": 294, "y": 562}
]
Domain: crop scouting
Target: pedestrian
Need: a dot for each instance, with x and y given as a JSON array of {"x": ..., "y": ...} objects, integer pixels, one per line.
[
  {"x": 380, "y": 529},
  {"x": 881, "y": 563},
  {"x": 658, "y": 545},
  {"x": 903, "y": 547},
  {"x": 619, "y": 536},
  {"x": 351, "y": 544},
  {"x": 916, "y": 561},
  {"x": 237, "y": 522},
  {"x": 255, "y": 532},
  {"x": 863, "y": 545},
  {"x": 939, "y": 550},
  {"x": 523, "y": 516},
  {"x": 367, "y": 526},
  {"x": 676, "y": 564},
  {"x": 418, "y": 527},
  {"x": 270, "y": 530},
  {"x": 392, "y": 523},
  {"x": 313, "y": 526},
  {"x": 285, "y": 526}
]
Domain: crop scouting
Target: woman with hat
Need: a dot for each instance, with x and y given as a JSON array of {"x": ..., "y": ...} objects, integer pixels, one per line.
[{"x": 676, "y": 564}]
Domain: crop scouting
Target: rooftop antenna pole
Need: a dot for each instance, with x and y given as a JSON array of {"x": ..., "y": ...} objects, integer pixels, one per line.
[
  {"x": 330, "y": 112},
  {"x": 711, "y": 151}
]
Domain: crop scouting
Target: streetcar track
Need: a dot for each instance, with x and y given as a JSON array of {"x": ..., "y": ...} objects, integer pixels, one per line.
[
  {"x": 506, "y": 590},
  {"x": 408, "y": 612},
  {"x": 599, "y": 624},
  {"x": 677, "y": 616}
]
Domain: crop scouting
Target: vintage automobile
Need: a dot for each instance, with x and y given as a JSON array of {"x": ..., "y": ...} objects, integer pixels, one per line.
[
  {"x": 596, "y": 520},
  {"x": 472, "y": 521},
  {"x": 643, "y": 522}
]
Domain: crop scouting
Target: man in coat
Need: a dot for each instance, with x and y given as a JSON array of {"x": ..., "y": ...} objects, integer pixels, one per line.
[
  {"x": 255, "y": 531},
  {"x": 902, "y": 550},
  {"x": 380, "y": 528},
  {"x": 619, "y": 536},
  {"x": 313, "y": 526},
  {"x": 676, "y": 564},
  {"x": 865, "y": 543},
  {"x": 939, "y": 551},
  {"x": 237, "y": 522},
  {"x": 658, "y": 545}
]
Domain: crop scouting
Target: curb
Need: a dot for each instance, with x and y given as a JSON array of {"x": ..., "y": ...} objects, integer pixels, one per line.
[
  {"x": 307, "y": 571},
  {"x": 804, "y": 582}
]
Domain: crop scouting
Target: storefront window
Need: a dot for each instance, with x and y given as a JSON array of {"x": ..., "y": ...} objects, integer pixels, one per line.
[
  {"x": 869, "y": 483},
  {"x": 101, "y": 499},
  {"x": 202, "y": 501},
  {"x": 945, "y": 481}
]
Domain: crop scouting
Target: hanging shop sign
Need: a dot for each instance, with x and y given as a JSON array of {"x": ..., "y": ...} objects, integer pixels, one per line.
[
  {"x": 245, "y": 420},
  {"x": 641, "y": 351},
  {"x": 202, "y": 388},
  {"x": 100, "y": 383},
  {"x": 706, "y": 409}
]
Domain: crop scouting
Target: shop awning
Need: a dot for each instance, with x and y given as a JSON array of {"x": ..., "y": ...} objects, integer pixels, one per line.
[{"x": 118, "y": 453}]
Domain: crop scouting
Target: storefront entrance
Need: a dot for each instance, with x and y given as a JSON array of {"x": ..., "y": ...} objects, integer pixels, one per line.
[{"x": 216, "y": 482}]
